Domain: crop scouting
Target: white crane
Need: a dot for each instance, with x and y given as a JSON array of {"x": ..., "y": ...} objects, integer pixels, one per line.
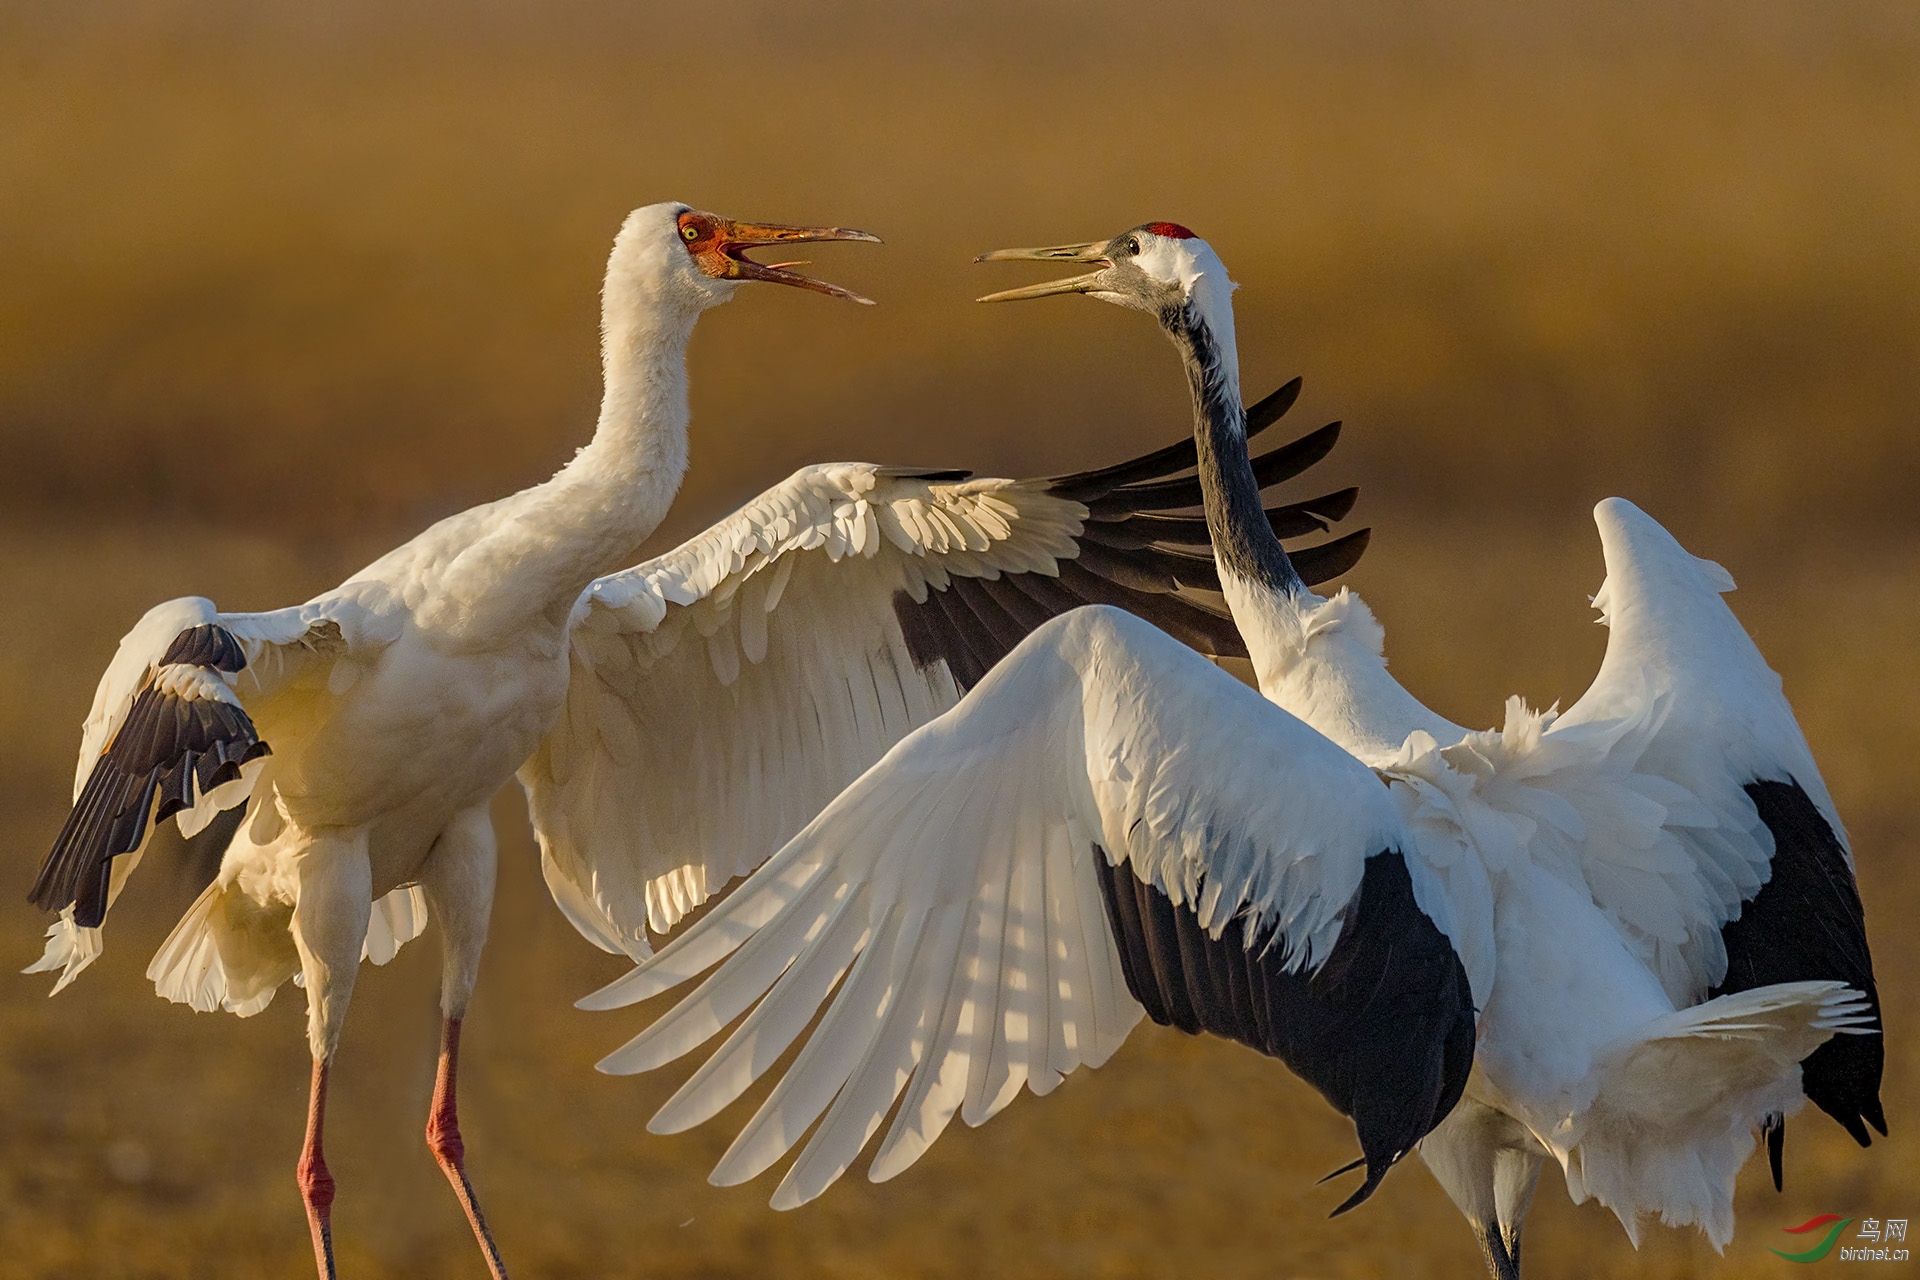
[
  {"x": 1647, "y": 901},
  {"x": 675, "y": 721}
]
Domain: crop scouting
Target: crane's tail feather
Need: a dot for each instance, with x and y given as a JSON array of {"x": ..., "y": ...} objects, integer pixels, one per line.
[
  {"x": 228, "y": 952},
  {"x": 1676, "y": 1107}
]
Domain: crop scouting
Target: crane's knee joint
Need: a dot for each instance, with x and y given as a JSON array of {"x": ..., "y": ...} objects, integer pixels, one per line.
[
  {"x": 316, "y": 1184},
  {"x": 443, "y": 1139}
]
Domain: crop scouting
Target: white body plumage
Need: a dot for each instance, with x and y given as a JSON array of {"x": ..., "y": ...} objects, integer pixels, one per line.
[{"x": 1601, "y": 877}]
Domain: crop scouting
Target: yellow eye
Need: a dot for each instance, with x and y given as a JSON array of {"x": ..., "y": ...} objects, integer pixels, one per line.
[{"x": 689, "y": 232}]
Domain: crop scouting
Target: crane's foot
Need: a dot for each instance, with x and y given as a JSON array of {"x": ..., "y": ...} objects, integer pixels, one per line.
[
  {"x": 316, "y": 1184},
  {"x": 443, "y": 1138}
]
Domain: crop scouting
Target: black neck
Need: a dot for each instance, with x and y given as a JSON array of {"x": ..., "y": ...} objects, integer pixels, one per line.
[{"x": 1243, "y": 542}]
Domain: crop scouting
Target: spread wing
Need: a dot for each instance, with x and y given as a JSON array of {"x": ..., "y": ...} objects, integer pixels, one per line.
[
  {"x": 1108, "y": 824},
  {"x": 1763, "y": 881},
  {"x": 721, "y": 694},
  {"x": 169, "y": 735}
]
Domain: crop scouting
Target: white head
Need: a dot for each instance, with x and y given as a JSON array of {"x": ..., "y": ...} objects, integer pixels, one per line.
[
  {"x": 678, "y": 260},
  {"x": 1158, "y": 267}
]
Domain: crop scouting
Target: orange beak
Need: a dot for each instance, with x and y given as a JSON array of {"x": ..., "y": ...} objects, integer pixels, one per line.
[{"x": 725, "y": 257}]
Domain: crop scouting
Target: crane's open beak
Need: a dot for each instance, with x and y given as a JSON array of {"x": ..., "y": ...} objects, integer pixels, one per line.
[
  {"x": 1093, "y": 251},
  {"x": 735, "y": 238}
]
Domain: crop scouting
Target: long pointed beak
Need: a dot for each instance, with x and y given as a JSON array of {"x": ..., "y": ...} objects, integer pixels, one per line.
[
  {"x": 737, "y": 237},
  {"x": 1092, "y": 251}
]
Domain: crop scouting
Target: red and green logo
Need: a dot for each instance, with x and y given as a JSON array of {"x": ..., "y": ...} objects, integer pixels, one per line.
[{"x": 1821, "y": 1250}]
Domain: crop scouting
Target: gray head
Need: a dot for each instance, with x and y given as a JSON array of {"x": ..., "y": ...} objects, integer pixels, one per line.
[
  {"x": 1165, "y": 270},
  {"x": 1148, "y": 268},
  {"x": 1160, "y": 268}
]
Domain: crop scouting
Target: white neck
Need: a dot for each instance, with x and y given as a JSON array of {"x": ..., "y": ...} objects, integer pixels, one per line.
[
  {"x": 1322, "y": 660},
  {"x": 541, "y": 547},
  {"x": 618, "y": 488}
]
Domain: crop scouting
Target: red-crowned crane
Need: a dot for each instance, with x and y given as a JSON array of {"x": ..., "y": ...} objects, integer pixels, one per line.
[
  {"x": 1612, "y": 936},
  {"x": 672, "y": 723}
]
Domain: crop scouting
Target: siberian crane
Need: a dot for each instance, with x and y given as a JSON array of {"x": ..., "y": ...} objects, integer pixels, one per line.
[
  {"x": 671, "y": 723},
  {"x": 1625, "y": 937}
]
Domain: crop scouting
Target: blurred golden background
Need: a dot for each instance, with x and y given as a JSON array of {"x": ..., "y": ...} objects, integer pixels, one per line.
[{"x": 279, "y": 285}]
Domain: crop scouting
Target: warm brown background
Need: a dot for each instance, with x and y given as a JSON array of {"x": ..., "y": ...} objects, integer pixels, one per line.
[{"x": 280, "y": 284}]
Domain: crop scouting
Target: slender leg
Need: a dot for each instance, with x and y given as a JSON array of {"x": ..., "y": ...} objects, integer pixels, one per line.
[
  {"x": 443, "y": 1136},
  {"x": 458, "y": 877},
  {"x": 316, "y": 1184},
  {"x": 329, "y": 926},
  {"x": 1488, "y": 1165},
  {"x": 1516, "y": 1172}
]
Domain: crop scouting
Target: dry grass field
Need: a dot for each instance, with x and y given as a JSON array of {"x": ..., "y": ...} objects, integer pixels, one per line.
[{"x": 277, "y": 286}]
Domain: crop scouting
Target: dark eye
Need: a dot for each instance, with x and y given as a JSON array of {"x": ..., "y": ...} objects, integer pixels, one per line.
[
  {"x": 1133, "y": 244},
  {"x": 689, "y": 232}
]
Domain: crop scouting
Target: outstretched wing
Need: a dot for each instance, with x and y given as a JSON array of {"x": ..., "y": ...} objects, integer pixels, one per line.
[
  {"x": 1107, "y": 823},
  {"x": 169, "y": 735},
  {"x": 1765, "y": 881},
  {"x": 721, "y": 694}
]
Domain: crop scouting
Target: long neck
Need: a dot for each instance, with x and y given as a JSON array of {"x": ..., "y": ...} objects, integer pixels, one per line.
[
  {"x": 618, "y": 488},
  {"x": 1244, "y": 543},
  {"x": 1319, "y": 659},
  {"x": 541, "y": 547}
]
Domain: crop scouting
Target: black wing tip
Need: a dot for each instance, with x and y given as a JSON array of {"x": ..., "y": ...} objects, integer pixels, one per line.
[
  {"x": 1181, "y": 455},
  {"x": 1375, "y": 1172},
  {"x": 1348, "y": 1167},
  {"x": 1857, "y": 1109},
  {"x": 145, "y": 776},
  {"x": 1807, "y": 922},
  {"x": 1774, "y": 1127},
  {"x": 1278, "y": 465},
  {"x": 1312, "y": 515},
  {"x": 1320, "y": 438},
  {"x": 1318, "y": 442},
  {"x": 1334, "y": 506},
  {"x": 1326, "y": 561},
  {"x": 1342, "y": 1027},
  {"x": 1851, "y": 1098},
  {"x": 1273, "y": 406}
]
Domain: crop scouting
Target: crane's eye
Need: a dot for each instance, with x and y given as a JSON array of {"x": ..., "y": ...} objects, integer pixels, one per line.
[{"x": 689, "y": 232}]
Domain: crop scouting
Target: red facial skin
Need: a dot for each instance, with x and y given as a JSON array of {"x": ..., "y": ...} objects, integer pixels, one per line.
[{"x": 718, "y": 245}]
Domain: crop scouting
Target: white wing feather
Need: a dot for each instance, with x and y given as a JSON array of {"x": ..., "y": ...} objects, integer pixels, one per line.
[
  {"x": 954, "y": 883},
  {"x": 1689, "y": 696},
  {"x": 722, "y": 693}
]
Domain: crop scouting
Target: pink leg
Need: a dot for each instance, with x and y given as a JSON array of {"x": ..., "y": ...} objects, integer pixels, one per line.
[
  {"x": 316, "y": 1184},
  {"x": 443, "y": 1137}
]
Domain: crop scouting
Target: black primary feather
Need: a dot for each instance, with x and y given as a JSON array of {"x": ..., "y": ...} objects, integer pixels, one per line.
[
  {"x": 1269, "y": 469},
  {"x": 1133, "y": 554},
  {"x": 166, "y": 750},
  {"x": 1807, "y": 923},
  {"x": 1182, "y": 455},
  {"x": 1383, "y": 1027},
  {"x": 1294, "y": 520}
]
